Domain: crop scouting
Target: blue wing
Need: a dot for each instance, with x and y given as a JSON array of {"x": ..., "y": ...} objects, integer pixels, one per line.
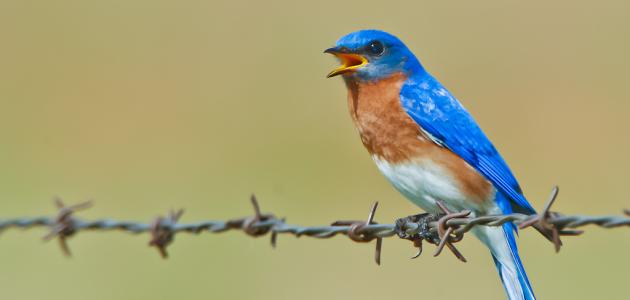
[{"x": 448, "y": 123}]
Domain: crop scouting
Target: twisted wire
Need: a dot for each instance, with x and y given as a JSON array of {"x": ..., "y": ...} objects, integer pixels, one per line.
[
  {"x": 280, "y": 227},
  {"x": 441, "y": 229}
]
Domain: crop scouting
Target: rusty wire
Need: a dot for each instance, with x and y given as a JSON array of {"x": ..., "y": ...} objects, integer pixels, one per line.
[{"x": 442, "y": 229}]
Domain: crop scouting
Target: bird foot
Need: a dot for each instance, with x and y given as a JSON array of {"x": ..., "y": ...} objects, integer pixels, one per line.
[
  {"x": 417, "y": 228},
  {"x": 421, "y": 227}
]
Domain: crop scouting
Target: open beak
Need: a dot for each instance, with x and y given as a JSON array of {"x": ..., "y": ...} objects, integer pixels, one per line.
[{"x": 350, "y": 62}]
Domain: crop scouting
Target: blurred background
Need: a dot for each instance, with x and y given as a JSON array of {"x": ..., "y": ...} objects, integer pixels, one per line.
[{"x": 145, "y": 106}]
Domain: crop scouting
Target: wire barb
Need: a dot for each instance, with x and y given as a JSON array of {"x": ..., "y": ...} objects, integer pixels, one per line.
[
  {"x": 542, "y": 222},
  {"x": 63, "y": 226},
  {"x": 445, "y": 232},
  {"x": 161, "y": 231},
  {"x": 357, "y": 234},
  {"x": 249, "y": 224}
]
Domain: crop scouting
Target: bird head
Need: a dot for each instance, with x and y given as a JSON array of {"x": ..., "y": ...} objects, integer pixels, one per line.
[{"x": 370, "y": 55}]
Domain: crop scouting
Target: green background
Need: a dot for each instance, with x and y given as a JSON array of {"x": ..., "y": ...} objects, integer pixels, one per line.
[{"x": 145, "y": 106}]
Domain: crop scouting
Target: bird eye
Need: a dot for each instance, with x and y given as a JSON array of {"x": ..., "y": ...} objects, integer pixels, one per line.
[{"x": 376, "y": 48}]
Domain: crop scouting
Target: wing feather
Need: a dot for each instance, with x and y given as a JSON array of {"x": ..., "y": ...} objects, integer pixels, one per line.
[{"x": 448, "y": 123}]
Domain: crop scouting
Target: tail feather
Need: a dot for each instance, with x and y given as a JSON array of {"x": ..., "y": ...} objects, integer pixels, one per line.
[{"x": 502, "y": 244}]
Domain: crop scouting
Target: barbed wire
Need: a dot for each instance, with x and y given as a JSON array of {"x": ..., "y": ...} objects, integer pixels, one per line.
[{"x": 442, "y": 229}]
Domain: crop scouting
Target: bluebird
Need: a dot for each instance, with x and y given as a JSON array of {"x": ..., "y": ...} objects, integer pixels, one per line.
[{"x": 428, "y": 146}]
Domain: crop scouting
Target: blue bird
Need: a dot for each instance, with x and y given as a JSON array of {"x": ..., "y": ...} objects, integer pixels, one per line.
[{"x": 428, "y": 146}]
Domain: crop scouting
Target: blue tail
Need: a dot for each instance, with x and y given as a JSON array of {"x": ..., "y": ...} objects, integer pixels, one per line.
[
  {"x": 502, "y": 244},
  {"x": 509, "y": 266}
]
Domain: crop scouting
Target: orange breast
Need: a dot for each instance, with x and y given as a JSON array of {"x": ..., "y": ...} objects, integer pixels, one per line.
[{"x": 388, "y": 133}]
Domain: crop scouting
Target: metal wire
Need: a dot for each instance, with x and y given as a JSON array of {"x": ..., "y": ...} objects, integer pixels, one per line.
[
  {"x": 278, "y": 226},
  {"x": 441, "y": 229}
]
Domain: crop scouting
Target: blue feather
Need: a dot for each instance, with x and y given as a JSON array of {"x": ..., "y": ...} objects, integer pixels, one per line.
[
  {"x": 430, "y": 105},
  {"x": 528, "y": 292}
]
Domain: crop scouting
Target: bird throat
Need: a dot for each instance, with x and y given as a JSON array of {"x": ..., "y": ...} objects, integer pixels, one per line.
[{"x": 386, "y": 130}]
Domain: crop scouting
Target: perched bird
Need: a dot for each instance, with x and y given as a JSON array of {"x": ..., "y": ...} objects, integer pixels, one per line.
[{"x": 428, "y": 146}]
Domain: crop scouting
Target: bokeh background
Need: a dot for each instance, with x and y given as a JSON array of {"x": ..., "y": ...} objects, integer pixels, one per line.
[{"x": 145, "y": 106}]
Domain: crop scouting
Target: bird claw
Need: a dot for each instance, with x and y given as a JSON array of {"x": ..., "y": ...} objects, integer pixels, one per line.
[
  {"x": 418, "y": 244},
  {"x": 417, "y": 254},
  {"x": 421, "y": 231}
]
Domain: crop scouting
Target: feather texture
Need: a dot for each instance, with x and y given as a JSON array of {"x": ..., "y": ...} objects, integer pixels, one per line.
[{"x": 434, "y": 108}]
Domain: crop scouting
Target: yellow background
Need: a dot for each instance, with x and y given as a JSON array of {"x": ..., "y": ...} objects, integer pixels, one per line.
[{"x": 145, "y": 106}]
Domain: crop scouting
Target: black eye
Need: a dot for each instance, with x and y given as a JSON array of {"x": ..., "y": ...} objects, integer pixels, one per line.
[{"x": 376, "y": 48}]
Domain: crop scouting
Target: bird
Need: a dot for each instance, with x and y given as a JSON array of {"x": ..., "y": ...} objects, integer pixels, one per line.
[{"x": 428, "y": 145}]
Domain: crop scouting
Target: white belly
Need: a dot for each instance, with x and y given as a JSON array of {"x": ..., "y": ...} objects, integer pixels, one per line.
[{"x": 424, "y": 182}]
